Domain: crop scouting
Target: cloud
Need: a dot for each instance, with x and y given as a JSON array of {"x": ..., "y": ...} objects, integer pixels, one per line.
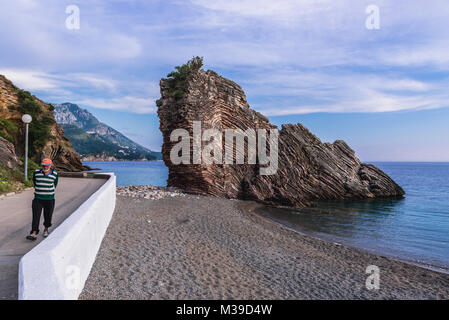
[
  {"x": 264, "y": 8},
  {"x": 37, "y": 36},
  {"x": 73, "y": 87},
  {"x": 371, "y": 102},
  {"x": 291, "y": 56},
  {"x": 286, "y": 92},
  {"x": 40, "y": 81},
  {"x": 127, "y": 103},
  {"x": 32, "y": 80},
  {"x": 92, "y": 79}
]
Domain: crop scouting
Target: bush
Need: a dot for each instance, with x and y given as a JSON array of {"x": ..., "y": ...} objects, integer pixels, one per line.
[
  {"x": 6, "y": 137},
  {"x": 39, "y": 130},
  {"x": 27, "y": 103},
  {"x": 178, "y": 93},
  {"x": 8, "y": 130},
  {"x": 183, "y": 71},
  {"x": 32, "y": 166},
  {"x": 5, "y": 186},
  {"x": 177, "y": 78},
  {"x": 10, "y": 179}
]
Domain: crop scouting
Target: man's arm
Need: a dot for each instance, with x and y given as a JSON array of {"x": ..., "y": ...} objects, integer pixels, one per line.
[{"x": 56, "y": 180}]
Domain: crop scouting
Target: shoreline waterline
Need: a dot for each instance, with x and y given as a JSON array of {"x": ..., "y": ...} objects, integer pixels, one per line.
[
  {"x": 199, "y": 247},
  {"x": 257, "y": 209},
  {"x": 413, "y": 228}
]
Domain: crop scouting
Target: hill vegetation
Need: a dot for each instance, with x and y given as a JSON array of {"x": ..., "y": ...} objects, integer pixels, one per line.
[{"x": 177, "y": 79}]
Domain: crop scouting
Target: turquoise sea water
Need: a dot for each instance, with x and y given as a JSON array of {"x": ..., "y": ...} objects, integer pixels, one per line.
[{"x": 415, "y": 228}]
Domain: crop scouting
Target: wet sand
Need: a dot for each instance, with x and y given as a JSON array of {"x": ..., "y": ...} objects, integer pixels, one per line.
[{"x": 209, "y": 248}]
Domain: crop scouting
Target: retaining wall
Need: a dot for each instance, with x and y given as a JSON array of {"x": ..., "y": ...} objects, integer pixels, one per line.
[{"x": 58, "y": 267}]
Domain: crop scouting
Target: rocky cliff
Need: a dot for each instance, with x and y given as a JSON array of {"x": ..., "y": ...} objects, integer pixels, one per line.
[
  {"x": 308, "y": 169},
  {"x": 8, "y": 157},
  {"x": 46, "y": 136}
]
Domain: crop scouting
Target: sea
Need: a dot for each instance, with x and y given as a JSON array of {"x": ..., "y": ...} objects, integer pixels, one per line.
[
  {"x": 413, "y": 229},
  {"x": 135, "y": 173}
]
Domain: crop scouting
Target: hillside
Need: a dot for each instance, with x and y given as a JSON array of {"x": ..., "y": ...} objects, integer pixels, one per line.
[
  {"x": 46, "y": 137},
  {"x": 96, "y": 140}
]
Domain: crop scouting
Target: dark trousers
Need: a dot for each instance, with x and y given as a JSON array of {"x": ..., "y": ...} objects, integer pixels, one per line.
[{"x": 37, "y": 206}]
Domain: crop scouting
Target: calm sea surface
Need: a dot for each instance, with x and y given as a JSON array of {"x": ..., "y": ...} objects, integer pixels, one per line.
[
  {"x": 134, "y": 172},
  {"x": 415, "y": 228}
]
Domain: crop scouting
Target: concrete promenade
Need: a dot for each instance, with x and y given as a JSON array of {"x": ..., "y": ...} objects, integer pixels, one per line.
[{"x": 15, "y": 224}]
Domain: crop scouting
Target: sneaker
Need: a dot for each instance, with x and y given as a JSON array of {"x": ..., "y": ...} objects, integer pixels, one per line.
[
  {"x": 31, "y": 237},
  {"x": 45, "y": 234}
]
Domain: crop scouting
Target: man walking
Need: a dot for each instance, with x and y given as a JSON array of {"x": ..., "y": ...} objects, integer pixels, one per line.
[{"x": 45, "y": 181}]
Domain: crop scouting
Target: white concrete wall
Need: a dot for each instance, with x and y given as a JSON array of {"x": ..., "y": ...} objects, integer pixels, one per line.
[{"x": 58, "y": 267}]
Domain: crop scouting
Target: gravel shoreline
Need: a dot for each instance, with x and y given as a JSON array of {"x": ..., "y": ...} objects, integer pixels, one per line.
[
  {"x": 148, "y": 192},
  {"x": 195, "y": 247}
]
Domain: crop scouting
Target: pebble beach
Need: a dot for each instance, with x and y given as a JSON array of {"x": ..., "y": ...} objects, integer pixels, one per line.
[
  {"x": 163, "y": 244},
  {"x": 148, "y": 192}
]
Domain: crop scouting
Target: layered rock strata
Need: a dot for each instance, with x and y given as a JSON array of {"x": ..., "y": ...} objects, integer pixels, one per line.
[{"x": 308, "y": 169}]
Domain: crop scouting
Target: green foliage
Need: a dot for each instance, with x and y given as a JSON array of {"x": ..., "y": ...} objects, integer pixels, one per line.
[
  {"x": 32, "y": 166},
  {"x": 8, "y": 130},
  {"x": 177, "y": 78},
  {"x": 183, "y": 71},
  {"x": 29, "y": 183},
  {"x": 27, "y": 103},
  {"x": 5, "y": 186},
  {"x": 178, "y": 93},
  {"x": 51, "y": 108},
  {"x": 159, "y": 102},
  {"x": 39, "y": 130},
  {"x": 12, "y": 107},
  {"x": 6, "y": 137},
  {"x": 11, "y": 179}
]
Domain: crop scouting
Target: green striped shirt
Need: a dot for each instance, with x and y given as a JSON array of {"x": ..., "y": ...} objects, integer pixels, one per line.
[{"x": 45, "y": 185}]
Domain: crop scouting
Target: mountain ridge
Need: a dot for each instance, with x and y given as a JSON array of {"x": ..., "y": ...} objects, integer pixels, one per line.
[{"x": 95, "y": 140}]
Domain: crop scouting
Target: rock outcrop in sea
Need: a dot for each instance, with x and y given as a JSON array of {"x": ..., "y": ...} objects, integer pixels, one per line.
[{"x": 308, "y": 169}]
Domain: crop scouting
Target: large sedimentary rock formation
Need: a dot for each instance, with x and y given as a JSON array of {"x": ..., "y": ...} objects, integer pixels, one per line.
[
  {"x": 46, "y": 136},
  {"x": 308, "y": 170}
]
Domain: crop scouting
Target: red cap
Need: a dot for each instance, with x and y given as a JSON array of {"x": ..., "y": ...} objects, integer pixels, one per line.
[{"x": 46, "y": 162}]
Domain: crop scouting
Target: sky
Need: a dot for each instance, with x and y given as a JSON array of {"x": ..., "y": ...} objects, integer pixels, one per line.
[{"x": 385, "y": 91}]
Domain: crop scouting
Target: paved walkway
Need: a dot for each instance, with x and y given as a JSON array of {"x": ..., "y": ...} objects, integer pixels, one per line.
[{"x": 15, "y": 225}]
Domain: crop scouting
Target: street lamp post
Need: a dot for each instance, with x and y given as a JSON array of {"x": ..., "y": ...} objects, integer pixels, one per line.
[{"x": 26, "y": 118}]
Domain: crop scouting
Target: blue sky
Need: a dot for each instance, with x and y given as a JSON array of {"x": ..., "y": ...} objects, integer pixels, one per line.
[{"x": 386, "y": 91}]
